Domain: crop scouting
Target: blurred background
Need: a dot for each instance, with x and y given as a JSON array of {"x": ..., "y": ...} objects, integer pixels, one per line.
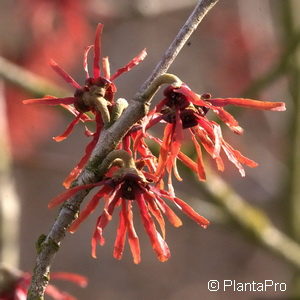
[{"x": 242, "y": 48}]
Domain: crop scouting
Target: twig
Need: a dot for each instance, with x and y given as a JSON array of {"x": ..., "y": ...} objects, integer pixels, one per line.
[{"x": 107, "y": 142}]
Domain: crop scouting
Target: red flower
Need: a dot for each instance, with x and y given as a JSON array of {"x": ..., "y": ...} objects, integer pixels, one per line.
[
  {"x": 126, "y": 187},
  {"x": 183, "y": 109},
  {"x": 18, "y": 284},
  {"x": 46, "y": 23},
  {"x": 96, "y": 95}
]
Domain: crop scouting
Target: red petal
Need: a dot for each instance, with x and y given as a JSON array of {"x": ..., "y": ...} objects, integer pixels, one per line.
[
  {"x": 172, "y": 217},
  {"x": 126, "y": 143},
  {"x": 184, "y": 207},
  {"x": 121, "y": 233},
  {"x": 156, "y": 119},
  {"x": 159, "y": 106},
  {"x": 64, "y": 74},
  {"x": 152, "y": 207},
  {"x": 264, "y": 105},
  {"x": 200, "y": 169},
  {"x": 88, "y": 151},
  {"x": 84, "y": 117},
  {"x": 218, "y": 139},
  {"x": 88, "y": 132},
  {"x": 69, "y": 193},
  {"x": 95, "y": 240},
  {"x": 134, "y": 62},
  {"x": 158, "y": 244},
  {"x": 164, "y": 150},
  {"x": 191, "y": 213},
  {"x": 85, "y": 60},
  {"x": 50, "y": 101},
  {"x": 106, "y": 68},
  {"x": 237, "y": 158},
  {"x": 207, "y": 126},
  {"x": 80, "y": 280},
  {"x": 229, "y": 120},
  {"x": 104, "y": 219},
  {"x": 184, "y": 158},
  {"x": 220, "y": 164},
  {"x": 69, "y": 129},
  {"x": 133, "y": 239},
  {"x": 89, "y": 209},
  {"x": 188, "y": 162},
  {"x": 56, "y": 294},
  {"x": 191, "y": 96},
  {"x": 213, "y": 150},
  {"x": 176, "y": 144},
  {"x": 97, "y": 50},
  {"x": 140, "y": 146}
]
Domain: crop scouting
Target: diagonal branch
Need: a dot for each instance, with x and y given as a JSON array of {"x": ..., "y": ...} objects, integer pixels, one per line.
[{"x": 107, "y": 142}]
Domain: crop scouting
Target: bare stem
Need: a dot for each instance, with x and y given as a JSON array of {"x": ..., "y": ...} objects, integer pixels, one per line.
[{"x": 107, "y": 142}]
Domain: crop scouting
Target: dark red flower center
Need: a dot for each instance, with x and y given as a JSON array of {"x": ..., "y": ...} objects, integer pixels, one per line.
[
  {"x": 94, "y": 87},
  {"x": 130, "y": 186},
  {"x": 188, "y": 116},
  {"x": 175, "y": 100}
]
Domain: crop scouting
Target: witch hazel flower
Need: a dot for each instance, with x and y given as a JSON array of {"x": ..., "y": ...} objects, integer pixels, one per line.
[
  {"x": 15, "y": 284},
  {"x": 96, "y": 96},
  {"x": 125, "y": 187},
  {"x": 184, "y": 110}
]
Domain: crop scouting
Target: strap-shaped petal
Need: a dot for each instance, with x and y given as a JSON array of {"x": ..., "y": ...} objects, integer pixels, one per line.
[
  {"x": 134, "y": 62},
  {"x": 49, "y": 100},
  {"x": 97, "y": 50},
  {"x": 64, "y": 74},
  {"x": 249, "y": 103}
]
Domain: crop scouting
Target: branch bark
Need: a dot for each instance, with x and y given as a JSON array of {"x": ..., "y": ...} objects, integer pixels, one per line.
[{"x": 107, "y": 142}]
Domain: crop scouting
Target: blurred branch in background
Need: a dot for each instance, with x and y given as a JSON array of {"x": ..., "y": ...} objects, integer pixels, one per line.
[
  {"x": 28, "y": 81},
  {"x": 252, "y": 221},
  {"x": 291, "y": 25},
  {"x": 9, "y": 201}
]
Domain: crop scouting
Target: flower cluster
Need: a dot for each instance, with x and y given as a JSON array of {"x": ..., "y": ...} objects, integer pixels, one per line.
[
  {"x": 15, "y": 284},
  {"x": 96, "y": 96},
  {"x": 126, "y": 186},
  {"x": 132, "y": 174},
  {"x": 183, "y": 109}
]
